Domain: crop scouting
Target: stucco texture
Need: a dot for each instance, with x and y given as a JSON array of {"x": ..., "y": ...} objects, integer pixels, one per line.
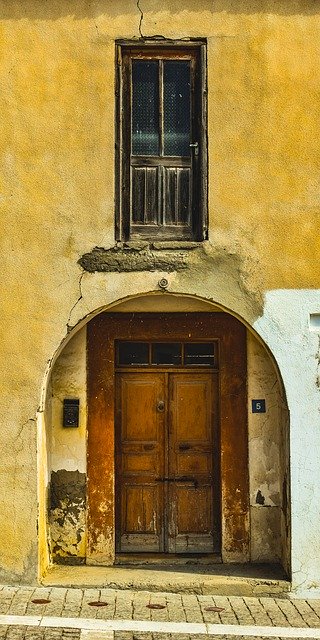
[{"x": 57, "y": 157}]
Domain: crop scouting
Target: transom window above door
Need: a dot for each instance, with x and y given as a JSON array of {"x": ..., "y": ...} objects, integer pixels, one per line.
[
  {"x": 161, "y": 143},
  {"x": 175, "y": 354}
]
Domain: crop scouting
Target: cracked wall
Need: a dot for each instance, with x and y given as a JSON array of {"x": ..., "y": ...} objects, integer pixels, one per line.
[{"x": 57, "y": 62}]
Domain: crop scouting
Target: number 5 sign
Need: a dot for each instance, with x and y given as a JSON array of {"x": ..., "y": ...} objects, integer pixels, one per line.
[{"x": 258, "y": 406}]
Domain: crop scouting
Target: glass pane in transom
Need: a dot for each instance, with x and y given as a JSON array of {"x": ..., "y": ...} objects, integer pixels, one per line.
[
  {"x": 133, "y": 353},
  {"x": 199, "y": 354},
  {"x": 166, "y": 353}
]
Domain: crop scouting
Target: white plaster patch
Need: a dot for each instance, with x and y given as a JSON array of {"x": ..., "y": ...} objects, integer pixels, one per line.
[
  {"x": 285, "y": 328},
  {"x": 68, "y": 445}
]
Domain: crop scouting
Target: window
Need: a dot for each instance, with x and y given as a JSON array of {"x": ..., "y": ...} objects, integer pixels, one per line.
[
  {"x": 177, "y": 354},
  {"x": 161, "y": 142}
]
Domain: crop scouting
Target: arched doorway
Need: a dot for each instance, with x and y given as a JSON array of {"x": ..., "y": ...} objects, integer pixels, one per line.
[{"x": 240, "y": 494}]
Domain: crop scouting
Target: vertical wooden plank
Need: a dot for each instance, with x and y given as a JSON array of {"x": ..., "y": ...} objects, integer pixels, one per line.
[
  {"x": 169, "y": 195},
  {"x": 184, "y": 196},
  {"x": 138, "y": 180},
  {"x": 151, "y": 198}
]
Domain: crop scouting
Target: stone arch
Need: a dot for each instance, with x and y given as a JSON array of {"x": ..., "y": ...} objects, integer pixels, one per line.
[{"x": 268, "y": 444}]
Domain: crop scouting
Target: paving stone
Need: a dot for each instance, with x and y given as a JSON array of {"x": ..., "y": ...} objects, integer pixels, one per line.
[
  {"x": 306, "y": 612},
  {"x": 241, "y": 610},
  {"x": 109, "y": 596},
  {"x": 6, "y": 597},
  {"x": 123, "y": 609},
  {"x": 213, "y": 617},
  {"x": 19, "y": 632},
  {"x": 273, "y": 611},
  {"x": 20, "y": 600},
  {"x": 292, "y": 614},
  {"x": 192, "y": 608},
  {"x": 140, "y": 600},
  {"x": 57, "y": 598},
  {"x": 159, "y": 615},
  {"x": 87, "y": 611},
  {"x": 175, "y": 609},
  {"x": 40, "y": 593},
  {"x": 257, "y": 611}
]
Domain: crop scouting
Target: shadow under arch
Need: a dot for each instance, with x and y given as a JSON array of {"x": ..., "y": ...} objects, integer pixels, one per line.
[{"x": 156, "y": 302}]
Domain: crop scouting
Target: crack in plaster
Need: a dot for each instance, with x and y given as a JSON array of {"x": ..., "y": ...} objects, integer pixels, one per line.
[
  {"x": 69, "y": 327},
  {"x": 141, "y": 19},
  {"x": 19, "y": 434}
]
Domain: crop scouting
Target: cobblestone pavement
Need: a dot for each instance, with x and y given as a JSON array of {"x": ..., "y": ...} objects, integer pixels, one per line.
[{"x": 133, "y": 605}]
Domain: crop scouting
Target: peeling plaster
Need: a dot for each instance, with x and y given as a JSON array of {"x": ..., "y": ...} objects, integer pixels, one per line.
[
  {"x": 67, "y": 515},
  {"x": 137, "y": 257}
]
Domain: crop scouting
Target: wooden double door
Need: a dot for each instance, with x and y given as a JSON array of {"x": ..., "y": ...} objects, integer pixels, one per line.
[{"x": 167, "y": 461}]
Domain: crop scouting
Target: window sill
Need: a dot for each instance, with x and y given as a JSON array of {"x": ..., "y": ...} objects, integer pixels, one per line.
[{"x": 139, "y": 256}]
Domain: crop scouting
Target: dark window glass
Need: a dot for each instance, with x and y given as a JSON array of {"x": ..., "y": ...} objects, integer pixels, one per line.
[
  {"x": 176, "y": 78},
  {"x": 145, "y": 108},
  {"x": 133, "y": 353},
  {"x": 199, "y": 354},
  {"x": 166, "y": 353}
]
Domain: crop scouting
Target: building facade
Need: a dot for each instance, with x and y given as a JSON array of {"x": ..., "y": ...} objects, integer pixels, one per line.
[{"x": 160, "y": 306}]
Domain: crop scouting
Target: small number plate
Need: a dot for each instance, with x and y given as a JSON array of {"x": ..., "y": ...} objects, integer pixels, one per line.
[{"x": 258, "y": 406}]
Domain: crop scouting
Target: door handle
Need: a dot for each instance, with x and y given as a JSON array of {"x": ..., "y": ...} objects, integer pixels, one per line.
[
  {"x": 195, "y": 146},
  {"x": 184, "y": 447},
  {"x": 160, "y": 406}
]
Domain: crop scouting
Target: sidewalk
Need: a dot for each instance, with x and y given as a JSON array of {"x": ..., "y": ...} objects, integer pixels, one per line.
[{"x": 125, "y": 615}]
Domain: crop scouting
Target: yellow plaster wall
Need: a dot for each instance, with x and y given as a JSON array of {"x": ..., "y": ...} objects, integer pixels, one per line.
[
  {"x": 57, "y": 144},
  {"x": 57, "y": 73}
]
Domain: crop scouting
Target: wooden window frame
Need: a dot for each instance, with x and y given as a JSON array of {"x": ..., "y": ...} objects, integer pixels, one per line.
[{"x": 160, "y": 50}]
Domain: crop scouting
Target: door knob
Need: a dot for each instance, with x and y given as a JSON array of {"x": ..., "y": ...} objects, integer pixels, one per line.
[{"x": 160, "y": 406}]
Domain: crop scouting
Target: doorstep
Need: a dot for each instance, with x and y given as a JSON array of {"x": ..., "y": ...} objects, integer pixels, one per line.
[{"x": 218, "y": 579}]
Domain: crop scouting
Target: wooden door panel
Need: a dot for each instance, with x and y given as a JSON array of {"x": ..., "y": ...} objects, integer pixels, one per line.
[
  {"x": 140, "y": 460},
  {"x": 191, "y": 394},
  {"x": 139, "y": 398},
  {"x": 193, "y": 424},
  {"x": 194, "y": 463},
  {"x": 141, "y": 518},
  {"x": 192, "y": 519}
]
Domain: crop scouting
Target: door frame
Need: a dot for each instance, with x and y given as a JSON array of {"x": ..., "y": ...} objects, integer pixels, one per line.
[{"x": 102, "y": 332}]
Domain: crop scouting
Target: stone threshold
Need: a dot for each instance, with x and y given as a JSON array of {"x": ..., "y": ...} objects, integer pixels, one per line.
[{"x": 218, "y": 579}]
